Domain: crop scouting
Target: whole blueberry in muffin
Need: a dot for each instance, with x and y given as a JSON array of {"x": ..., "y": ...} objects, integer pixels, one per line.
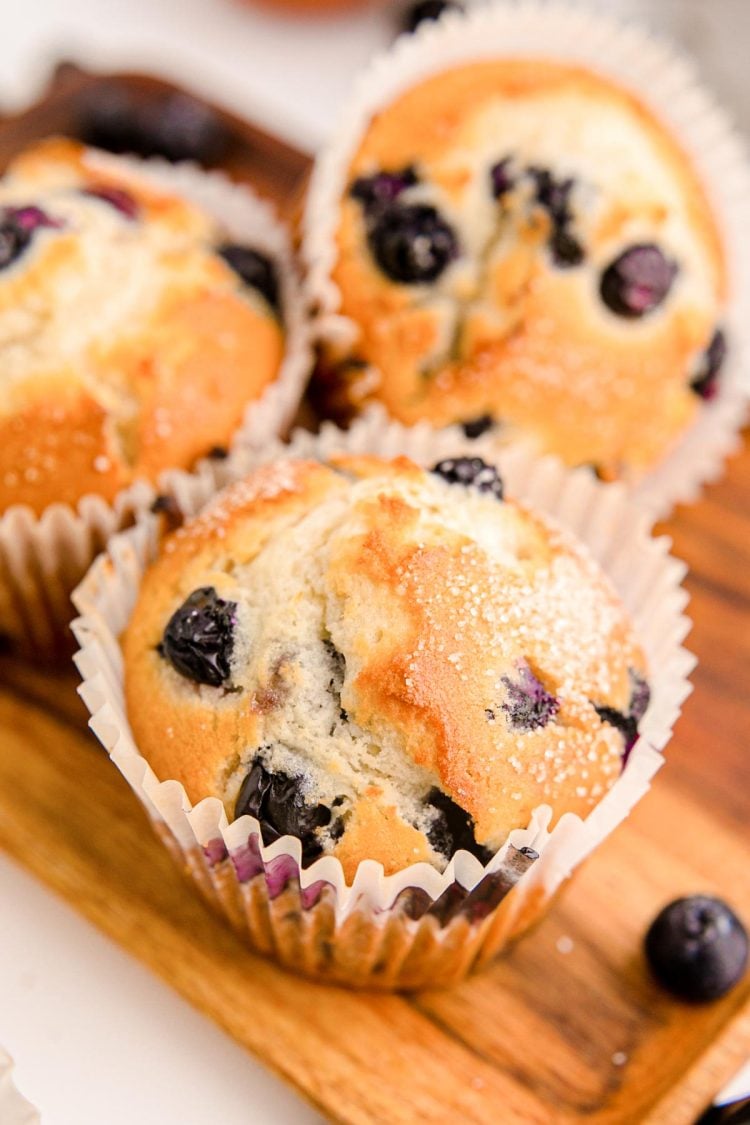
[{"x": 380, "y": 661}]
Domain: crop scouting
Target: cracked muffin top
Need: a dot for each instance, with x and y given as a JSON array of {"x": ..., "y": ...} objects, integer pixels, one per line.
[
  {"x": 386, "y": 662},
  {"x": 522, "y": 244},
  {"x": 132, "y": 334}
]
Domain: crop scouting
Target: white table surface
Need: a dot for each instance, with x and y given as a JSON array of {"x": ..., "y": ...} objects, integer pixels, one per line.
[{"x": 96, "y": 1038}]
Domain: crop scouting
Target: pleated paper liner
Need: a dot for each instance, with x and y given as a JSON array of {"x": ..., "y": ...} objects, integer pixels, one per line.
[
  {"x": 660, "y": 77},
  {"x": 14, "y": 1108},
  {"x": 418, "y": 927},
  {"x": 42, "y": 558}
]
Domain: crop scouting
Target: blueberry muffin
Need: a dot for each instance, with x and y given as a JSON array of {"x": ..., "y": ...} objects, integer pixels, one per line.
[
  {"x": 522, "y": 244},
  {"x": 133, "y": 334},
  {"x": 387, "y": 662}
]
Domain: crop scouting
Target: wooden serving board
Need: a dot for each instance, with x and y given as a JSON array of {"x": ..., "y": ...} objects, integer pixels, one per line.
[{"x": 568, "y": 1027}]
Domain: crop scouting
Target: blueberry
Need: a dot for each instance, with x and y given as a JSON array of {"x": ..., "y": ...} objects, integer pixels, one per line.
[
  {"x": 706, "y": 382},
  {"x": 638, "y": 281},
  {"x": 382, "y": 188},
  {"x": 452, "y": 829},
  {"x": 697, "y": 948},
  {"x": 501, "y": 178},
  {"x": 179, "y": 127},
  {"x": 17, "y": 226},
  {"x": 118, "y": 198},
  {"x": 198, "y": 639},
  {"x": 528, "y": 704},
  {"x": 566, "y": 249},
  {"x": 168, "y": 507},
  {"x": 627, "y": 722},
  {"x": 255, "y": 269},
  {"x": 175, "y": 126},
  {"x": 428, "y": 10},
  {"x": 411, "y": 243},
  {"x": 552, "y": 194},
  {"x": 218, "y": 453},
  {"x": 478, "y": 426},
  {"x": 276, "y": 802},
  {"x": 472, "y": 472}
]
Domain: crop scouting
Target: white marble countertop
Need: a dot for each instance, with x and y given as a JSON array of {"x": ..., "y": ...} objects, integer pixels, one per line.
[{"x": 95, "y": 1037}]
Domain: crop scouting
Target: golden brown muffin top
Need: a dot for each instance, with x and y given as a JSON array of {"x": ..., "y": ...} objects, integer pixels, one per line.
[{"x": 386, "y": 664}]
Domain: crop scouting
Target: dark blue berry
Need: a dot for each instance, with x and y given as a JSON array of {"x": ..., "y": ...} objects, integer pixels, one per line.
[
  {"x": 638, "y": 281},
  {"x": 501, "y": 177},
  {"x": 174, "y": 126},
  {"x": 452, "y": 829},
  {"x": 566, "y": 249},
  {"x": 411, "y": 243},
  {"x": 275, "y": 800},
  {"x": 255, "y": 269},
  {"x": 17, "y": 226},
  {"x": 199, "y": 638},
  {"x": 478, "y": 426},
  {"x": 382, "y": 188},
  {"x": 121, "y": 200},
  {"x": 706, "y": 382},
  {"x": 428, "y": 10},
  {"x": 627, "y": 722},
  {"x": 697, "y": 948},
  {"x": 528, "y": 704},
  {"x": 472, "y": 472}
]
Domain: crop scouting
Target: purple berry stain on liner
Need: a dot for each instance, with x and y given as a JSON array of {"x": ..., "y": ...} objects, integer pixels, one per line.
[
  {"x": 118, "y": 198},
  {"x": 247, "y": 861},
  {"x": 528, "y": 704},
  {"x": 638, "y": 281},
  {"x": 17, "y": 227},
  {"x": 215, "y": 852}
]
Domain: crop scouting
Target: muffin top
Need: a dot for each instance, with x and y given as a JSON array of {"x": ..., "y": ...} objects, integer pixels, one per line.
[
  {"x": 523, "y": 243},
  {"x": 132, "y": 333},
  {"x": 386, "y": 662}
]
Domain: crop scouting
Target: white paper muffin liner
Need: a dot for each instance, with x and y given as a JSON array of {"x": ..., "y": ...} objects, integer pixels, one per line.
[
  {"x": 419, "y": 926},
  {"x": 660, "y": 77},
  {"x": 14, "y": 1108},
  {"x": 43, "y": 557}
]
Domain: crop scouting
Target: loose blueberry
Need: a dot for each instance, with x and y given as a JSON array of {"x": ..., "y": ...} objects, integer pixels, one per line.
[
  {"x": 199, "y": 638},
  {"x": 17, "y": 227},
  {"x": 382, "y": 188},
  {"x": 627, "y": 723},
  {"x": 412, "y": 244},
  {"x": 428, "y": 10},
  {"x": 472, "y": 472},
  {"x": 501, "y": 178},
  {"x": 179, "y": 127},
  {"x": 452, "y": 829},
  {"x": 478, "y": 426},
  {"x": 706, "y": 382},
  {"x": 255, "y": 269},
  {"x": 697, "y": 948},
  {"x": 121, "y": 200},
  {"x": 528, "y": 704},
  {"x": 275, "y": 800},
  {"x": 175, "y": 126},
  {"x": 638, "y": 281}
]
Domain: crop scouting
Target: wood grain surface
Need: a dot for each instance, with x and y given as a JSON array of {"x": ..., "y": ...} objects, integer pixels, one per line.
[{"x": 566, "y": 1030}]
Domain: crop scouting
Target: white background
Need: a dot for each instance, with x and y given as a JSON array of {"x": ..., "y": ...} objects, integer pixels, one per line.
[{"x": 96, "y": 1038}]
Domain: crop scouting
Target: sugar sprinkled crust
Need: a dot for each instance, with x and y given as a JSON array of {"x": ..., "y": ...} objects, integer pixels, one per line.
[
  {"x": 394, "y": 638},
  {"x": 514, "y": 326},
  {"x": 127, "y": 343}
]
